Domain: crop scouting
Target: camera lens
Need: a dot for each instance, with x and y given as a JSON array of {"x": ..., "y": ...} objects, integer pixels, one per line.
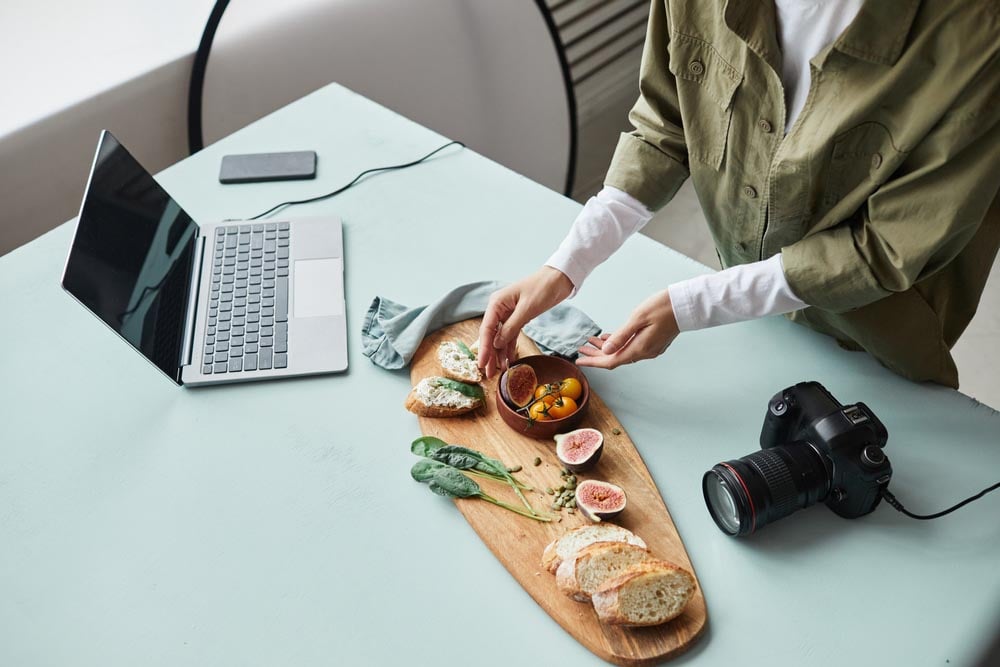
[
  {"x": 722, "y": 503},
  {"x": 748, "y": 493}
]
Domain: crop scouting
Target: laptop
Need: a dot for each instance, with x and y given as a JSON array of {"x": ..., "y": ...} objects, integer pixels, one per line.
[{"x": 209, "y": 303}]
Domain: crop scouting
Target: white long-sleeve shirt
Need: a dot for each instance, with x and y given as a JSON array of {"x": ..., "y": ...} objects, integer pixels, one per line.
[
  {"x": 806, "y": 27},
  {"x": 739, "y": 293},
  {"x": 748, "y": 291}
]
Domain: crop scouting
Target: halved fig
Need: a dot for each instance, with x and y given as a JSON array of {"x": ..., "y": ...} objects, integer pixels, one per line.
[
  {"x": 599, "y": 500},
  {"x": 517, "y": 385},
  {"x": 581, "y": 449}
]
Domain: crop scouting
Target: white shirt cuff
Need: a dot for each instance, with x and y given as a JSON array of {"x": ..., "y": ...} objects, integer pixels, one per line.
[
  {"x": 604, "y": 224},
  {"x": 739, "y": 293}
]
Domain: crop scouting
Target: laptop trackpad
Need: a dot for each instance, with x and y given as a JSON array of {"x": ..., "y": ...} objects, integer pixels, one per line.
[{"x": 318, "y": 290}]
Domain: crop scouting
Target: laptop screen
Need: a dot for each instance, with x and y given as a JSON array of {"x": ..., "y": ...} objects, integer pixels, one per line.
[{"x": 131, "y": 258}]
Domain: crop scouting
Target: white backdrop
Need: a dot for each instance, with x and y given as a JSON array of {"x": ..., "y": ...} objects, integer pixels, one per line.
[{"x": 480, "y": 71}]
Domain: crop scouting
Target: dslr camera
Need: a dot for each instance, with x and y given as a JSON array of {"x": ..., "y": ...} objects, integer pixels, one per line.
[{"x": 813, "y": 449}]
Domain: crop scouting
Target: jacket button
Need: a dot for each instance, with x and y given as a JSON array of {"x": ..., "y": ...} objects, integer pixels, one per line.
[
  {"x": 876, "y": 160},
  {"x": 750, "y": 191},
  {"x": 764, "y": 126},
  {"x": 696, "y": 67}
]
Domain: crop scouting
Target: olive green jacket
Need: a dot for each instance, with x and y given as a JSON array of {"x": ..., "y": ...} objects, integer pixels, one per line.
[{"x": 883, "y": 196}]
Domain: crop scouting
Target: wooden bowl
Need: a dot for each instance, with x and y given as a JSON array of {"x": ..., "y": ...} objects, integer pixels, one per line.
[{"x": 547, "y": 369}]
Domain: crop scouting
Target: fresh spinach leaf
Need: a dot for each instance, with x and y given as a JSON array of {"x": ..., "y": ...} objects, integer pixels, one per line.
[
  {"x": 482, "y": 463},
  {"x": 450, "y": 482},
  {"x": 470, "y": 390},
  {"x": 441, "y": 471},
  {"x": 458, "y": 457},
  {"x": 427, "y": 445},
  {"x": 465, "y": 350},
  {"x": 425, "y": 469}
]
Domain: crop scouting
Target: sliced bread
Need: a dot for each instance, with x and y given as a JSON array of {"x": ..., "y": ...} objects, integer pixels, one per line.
[
  {"x": 580, "y": 575},
  {"x": 565, "y": 546},
  {"x": 458, "y": 362},
  {"x": 433, "y": 398},
  {"x": 647, "y": 593}
]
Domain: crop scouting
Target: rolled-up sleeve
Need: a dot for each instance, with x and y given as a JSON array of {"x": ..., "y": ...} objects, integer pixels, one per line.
[
  {"x": 918, "y": 221},
  {"x": 650, "y": 163}
]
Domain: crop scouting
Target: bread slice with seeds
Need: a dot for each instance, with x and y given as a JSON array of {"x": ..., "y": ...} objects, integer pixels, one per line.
[
  {"x": 586, "y": 571},
  {"x": 565, "y": 546},
  {"x": 647, "y": 593}
]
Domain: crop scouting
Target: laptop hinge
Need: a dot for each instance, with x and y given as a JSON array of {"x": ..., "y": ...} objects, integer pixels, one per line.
[{"x": 192, "y": 309}]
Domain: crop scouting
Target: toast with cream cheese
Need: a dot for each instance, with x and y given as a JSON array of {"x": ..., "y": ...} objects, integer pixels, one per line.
[
  {"x": 458, "y": 362},
  {"x": 443, "y": 397}
]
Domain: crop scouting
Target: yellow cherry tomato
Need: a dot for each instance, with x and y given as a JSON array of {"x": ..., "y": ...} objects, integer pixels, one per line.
[
  {"x": 547, "y": 391},
  {"x": 539, "y": 411},
  {"x": 572, "y": 388},
  {"x": 563, "y": 407}
]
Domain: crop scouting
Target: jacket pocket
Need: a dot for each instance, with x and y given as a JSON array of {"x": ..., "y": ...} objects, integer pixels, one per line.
[
  {"x": 863, "y": 158},
  {"x": 706, "y": 85}
]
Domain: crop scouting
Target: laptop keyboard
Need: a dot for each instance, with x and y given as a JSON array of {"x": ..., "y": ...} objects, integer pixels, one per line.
[{"x": 248, "y": 303}]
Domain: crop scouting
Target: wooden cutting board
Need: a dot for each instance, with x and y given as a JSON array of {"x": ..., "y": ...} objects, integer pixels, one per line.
[{"x": 518, "y": 542}]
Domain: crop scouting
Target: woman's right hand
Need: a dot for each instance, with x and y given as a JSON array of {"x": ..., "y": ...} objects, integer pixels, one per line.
[{"x": 512, "y": 307}]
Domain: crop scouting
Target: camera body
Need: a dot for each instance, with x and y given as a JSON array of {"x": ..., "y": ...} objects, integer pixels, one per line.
[
  {"x": 813, "y": 449},
  {"x": 848, "y": 439}
]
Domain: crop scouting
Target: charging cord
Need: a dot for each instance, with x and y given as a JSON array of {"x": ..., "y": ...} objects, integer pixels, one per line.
[
  {"x": 357, "y": 178},
  {"x": 891, "y": 499}
]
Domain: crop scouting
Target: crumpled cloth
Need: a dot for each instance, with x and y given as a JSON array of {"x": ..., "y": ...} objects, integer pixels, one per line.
[{"x": 392, "y": 332}]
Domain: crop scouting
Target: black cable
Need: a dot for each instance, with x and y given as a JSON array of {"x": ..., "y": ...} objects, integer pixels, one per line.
[
  {"x": 356, "y": 179},
  {"x": 195, "y": 140},
  {"x": 891, "y": 499},
  {"x": 197, "y": 86}
]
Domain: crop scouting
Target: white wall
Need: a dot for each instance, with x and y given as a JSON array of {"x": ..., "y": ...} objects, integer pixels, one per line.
[
  {"x": 70, "y": 69},
  {"x": 480, "y": 71}
]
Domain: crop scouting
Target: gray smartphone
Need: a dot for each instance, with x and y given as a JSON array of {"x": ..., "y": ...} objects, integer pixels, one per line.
[{"x": 261, "y": 167}]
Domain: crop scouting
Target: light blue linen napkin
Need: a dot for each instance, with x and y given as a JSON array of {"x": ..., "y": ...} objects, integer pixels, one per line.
[{"x": 392, "y": 332}]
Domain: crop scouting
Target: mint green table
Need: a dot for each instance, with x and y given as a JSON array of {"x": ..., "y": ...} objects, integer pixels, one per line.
[{"x": 276, "y": 523}]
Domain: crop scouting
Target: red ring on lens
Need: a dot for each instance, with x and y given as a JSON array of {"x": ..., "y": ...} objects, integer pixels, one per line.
[{"x": 753, "y": 511}]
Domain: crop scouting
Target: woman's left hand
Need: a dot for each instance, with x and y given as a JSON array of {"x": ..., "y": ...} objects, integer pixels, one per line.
[{"x": 647, "y": 334}]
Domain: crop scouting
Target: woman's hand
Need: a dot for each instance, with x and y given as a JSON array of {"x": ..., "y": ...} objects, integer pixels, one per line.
[
  {"x": 647, "y": 334},
  {"x": 510, "y": 309}
]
